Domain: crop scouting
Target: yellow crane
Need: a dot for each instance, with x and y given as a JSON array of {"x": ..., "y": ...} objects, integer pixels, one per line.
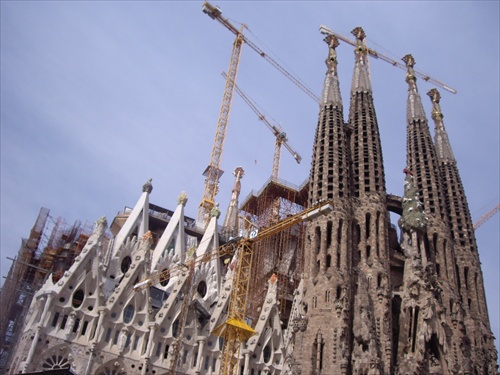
[
  {"x": 281, "y": 139},
  {"x": 326, "y": 31},
  {"x": 234, "y": 330},
  {"x": 213, "y": 171},
  {"x": 488, "y": 215}
]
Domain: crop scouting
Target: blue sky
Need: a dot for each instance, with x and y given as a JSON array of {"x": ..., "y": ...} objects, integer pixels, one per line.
[{"x": 98, "y": 97}]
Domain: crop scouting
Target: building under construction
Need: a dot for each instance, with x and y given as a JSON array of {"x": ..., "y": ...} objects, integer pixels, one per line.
[
  {"x": 313, "y": 279},
  {"x": 51, "y": 248}
]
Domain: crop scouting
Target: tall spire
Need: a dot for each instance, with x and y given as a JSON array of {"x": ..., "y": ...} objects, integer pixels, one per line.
[
  {"x": 369, "y": 225},
  {"x": 441, "y": 141},
  {"x": 330, "y": 156},
  {"x": 366, "y": 148},
  {"x": 361, "y": 80},
  {"x": 230, "y": 226},
  {"x": 331, "y": 88},
  {"x": 326, "y": 260},
  {"x": 468, "y": 265},
  {"x": 421, "y": 154}
]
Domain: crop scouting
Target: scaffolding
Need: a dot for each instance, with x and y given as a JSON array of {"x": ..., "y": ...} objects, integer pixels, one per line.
[
  {"x": 281, "y": 253},
  {"x": 50, "y": 249}
]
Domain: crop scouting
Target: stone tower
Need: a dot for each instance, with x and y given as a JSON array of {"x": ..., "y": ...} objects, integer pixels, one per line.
[
  {"x": 478, "y": 340},
  {"x": 371, "y": 304}
]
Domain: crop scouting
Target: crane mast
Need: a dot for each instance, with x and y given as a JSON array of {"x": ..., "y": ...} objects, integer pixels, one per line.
[
  {"x": 281, "y": 139},
  {"x": 213, "y": 171},
  {"x": 325, "y": 30}
]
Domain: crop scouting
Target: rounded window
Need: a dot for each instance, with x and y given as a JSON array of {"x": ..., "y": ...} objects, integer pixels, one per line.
[
  {"x": 202, "y": 289},
  {"x": 267, "y": 354},
  {"x": 78, "y": 297},
  {"x": 126, "y": 262},
  {"x": 128, "y": 313}
]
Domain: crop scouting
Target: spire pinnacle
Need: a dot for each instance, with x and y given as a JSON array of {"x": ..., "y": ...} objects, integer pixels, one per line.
[
  {"x": 331, "y": 87},
  {"x": 230, "y": 226},
  {"x": 148, "y": 186},
  {"x": 415, "y": 110},
  {"x": 333, "y": 43},
  {"x": 361, "y": 79},
  {"x": 435, "y": 99},
  {"x": 441, "y": 141},
  {"x": 411, "y": 79}
]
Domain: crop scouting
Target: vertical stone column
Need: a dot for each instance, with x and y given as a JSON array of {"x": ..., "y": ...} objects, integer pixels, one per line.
[
  {"x": 149, "y": 347},
  {"x": 199, "y": 359},
  {"x": 38, "y": 331}
]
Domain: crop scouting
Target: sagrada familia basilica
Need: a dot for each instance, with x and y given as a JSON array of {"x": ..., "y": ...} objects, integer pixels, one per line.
[{"x": 364, "y": 303}]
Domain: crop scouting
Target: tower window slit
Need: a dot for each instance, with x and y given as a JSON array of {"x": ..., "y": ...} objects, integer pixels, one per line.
[
  {"x": 367, "y": 225},
  {"x": 329, "y": 230}
]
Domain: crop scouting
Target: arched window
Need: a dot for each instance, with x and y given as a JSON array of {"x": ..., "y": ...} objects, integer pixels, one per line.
[
  {"x": 266, "y": 354},
  {"x": 56, "y": 362},
  {"x": 126, "y": 262},
  {"x": 78, "y": 297},
  {"x": 175, "y": 328},
  {"x": 202, "y": 289},
  {"x": 128, "y": 313}
]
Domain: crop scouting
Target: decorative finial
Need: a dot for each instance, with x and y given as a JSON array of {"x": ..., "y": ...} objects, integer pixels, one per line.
[
  {"x": 436, "y": 109},
  {"x": 361, "y": 50},
  {"x": 359, "y": 33},
  {"x": 147, "y": 236},
  {"x": 215, "y": 212},
  {"x": 182, "y": 198},
  {"x": 191, "y": 251},
  {"x": 102, "y": 222},
  {"x": 148, "y": 187},
  {"x": 410, "y": 62},
  {"x": 333, "y": 43},
  {"x": 239, "y": 172}
]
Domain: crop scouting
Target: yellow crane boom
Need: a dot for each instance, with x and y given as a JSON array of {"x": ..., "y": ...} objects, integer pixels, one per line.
[
  {"x": 234, "y": 330},
  {"x": 325, "y": 30},
  {"x": 215, "y": 13},
  {"x": 281, "y": 139},
  {"x": 488, "y": 215},
  {"x": 213, "y": 171}
]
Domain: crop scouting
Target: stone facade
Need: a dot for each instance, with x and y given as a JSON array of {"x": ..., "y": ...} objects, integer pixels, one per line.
[
  {"x": 93, "y": 321},
  {"x": 369, "y": 304}
]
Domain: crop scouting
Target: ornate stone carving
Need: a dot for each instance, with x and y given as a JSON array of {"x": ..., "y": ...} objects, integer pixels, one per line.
[{"x": 148, "y": 186}]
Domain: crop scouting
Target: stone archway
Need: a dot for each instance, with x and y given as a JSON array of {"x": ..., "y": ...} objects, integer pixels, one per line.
[
  {"x": 55, "y": 358},
  {"x": 113, "y": 367}
]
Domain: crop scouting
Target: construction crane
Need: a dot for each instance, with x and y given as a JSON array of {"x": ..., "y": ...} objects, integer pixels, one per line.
[
  {"x": 213, "y": 171},
  {"x": 186, "y": 270},
  {"x": 234, "y": 330},
  {"x": 488, "y": 215},
  {"x": 281, "y": 139},
  {"x": 325, "y": 30}
]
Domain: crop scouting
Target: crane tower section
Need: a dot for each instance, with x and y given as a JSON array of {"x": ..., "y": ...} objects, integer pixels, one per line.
[{"x": 213, "y": 171}]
